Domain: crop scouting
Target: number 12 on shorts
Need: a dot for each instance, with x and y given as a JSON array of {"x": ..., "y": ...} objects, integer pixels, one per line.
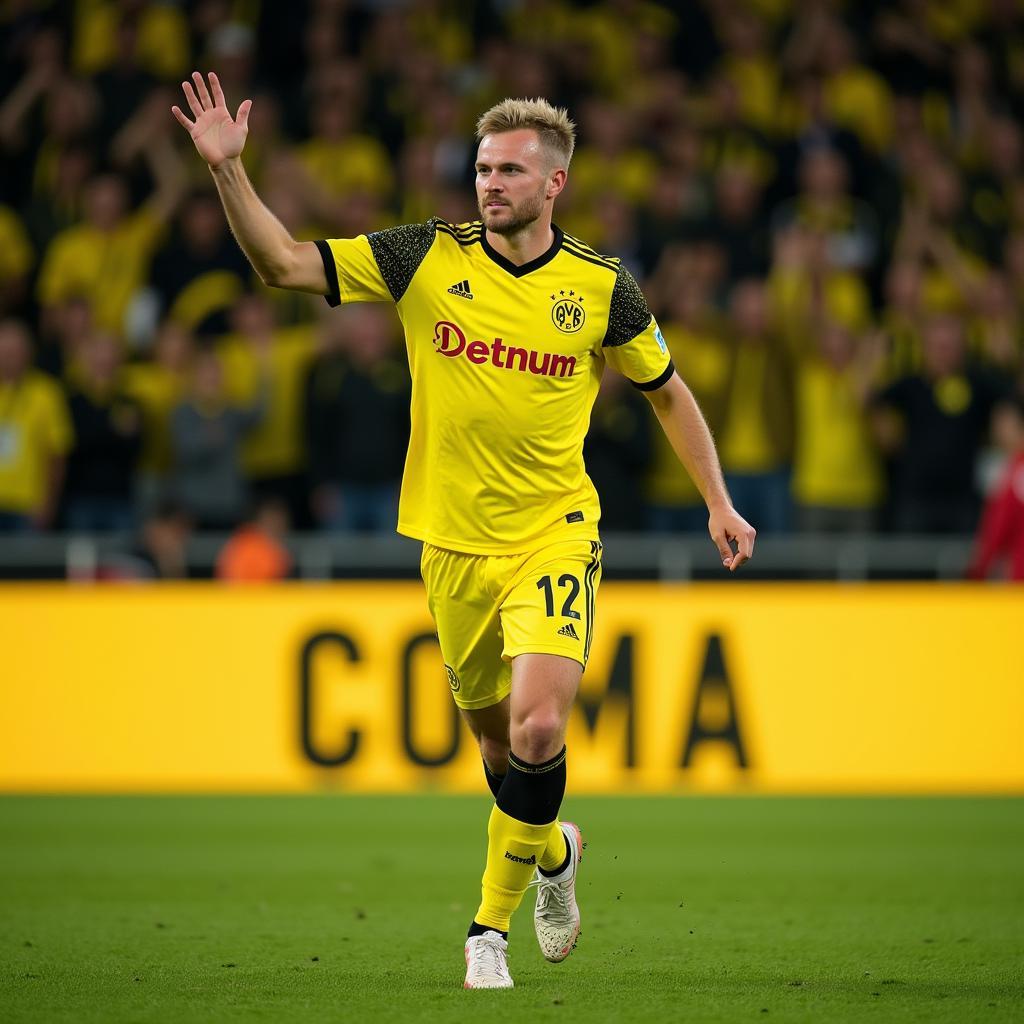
[{"x": 565, "y": 582}]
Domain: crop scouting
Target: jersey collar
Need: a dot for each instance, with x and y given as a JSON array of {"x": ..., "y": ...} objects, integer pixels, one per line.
[{"x": 526, "y": 268}]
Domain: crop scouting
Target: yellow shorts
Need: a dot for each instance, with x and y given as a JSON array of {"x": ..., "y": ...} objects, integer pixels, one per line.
[{"x": 490, "y": 608}]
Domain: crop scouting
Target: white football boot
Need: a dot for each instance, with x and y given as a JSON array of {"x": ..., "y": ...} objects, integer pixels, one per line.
[
  {"x": 485, "y": 962},
  {"x": 556, "y": 918}
]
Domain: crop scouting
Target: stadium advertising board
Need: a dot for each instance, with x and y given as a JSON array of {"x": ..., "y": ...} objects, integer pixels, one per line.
[{"x": 341, "y": 686}]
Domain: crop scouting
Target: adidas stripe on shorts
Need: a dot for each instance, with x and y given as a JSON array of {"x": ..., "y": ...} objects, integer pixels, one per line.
[{"x": 490, "y": 608}]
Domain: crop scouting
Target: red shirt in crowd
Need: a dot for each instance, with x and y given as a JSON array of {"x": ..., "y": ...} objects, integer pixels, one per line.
[{"x": 1002, "y": 525}]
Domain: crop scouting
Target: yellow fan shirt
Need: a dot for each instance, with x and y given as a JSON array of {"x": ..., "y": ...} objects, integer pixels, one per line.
[
  {"x": 35, "y": 428},
  {"x": 505, "y": 363}
]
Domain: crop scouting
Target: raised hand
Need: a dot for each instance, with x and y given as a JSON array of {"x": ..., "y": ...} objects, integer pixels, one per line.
[{"x": 215, "y": 134}]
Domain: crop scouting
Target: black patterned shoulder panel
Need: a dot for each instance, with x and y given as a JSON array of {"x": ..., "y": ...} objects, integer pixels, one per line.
[
  {"x": 628, "y": 315},
  {"x": 399, "y": 253}
]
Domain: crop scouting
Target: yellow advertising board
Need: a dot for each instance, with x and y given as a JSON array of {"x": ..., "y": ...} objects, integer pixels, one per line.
[{"x": 301, "y": 686}]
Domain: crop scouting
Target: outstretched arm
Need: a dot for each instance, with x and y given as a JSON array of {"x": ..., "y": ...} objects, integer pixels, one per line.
[
  {"x": 279, "y": 260},
  {"x": 684, "y": 426}
]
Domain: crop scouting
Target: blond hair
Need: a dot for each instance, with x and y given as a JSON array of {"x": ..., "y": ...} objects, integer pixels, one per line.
[{"x": 554, "y": 127}]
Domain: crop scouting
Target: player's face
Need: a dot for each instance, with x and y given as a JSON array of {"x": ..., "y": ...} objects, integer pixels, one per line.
[{"x": 513, "y": 181}]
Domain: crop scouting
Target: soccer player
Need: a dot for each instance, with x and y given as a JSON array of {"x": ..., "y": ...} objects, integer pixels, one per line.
[{"x": 509, "y": 323}]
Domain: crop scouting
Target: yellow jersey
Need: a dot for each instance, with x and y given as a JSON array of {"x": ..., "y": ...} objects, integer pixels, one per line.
[
  {"x": 276, "y": 445},
  {"x": 105, "y": 267},
  {"x": 35, "y": 428},
  {"x": 836, "y": 464},
  {"x": 505, "y": 363}
]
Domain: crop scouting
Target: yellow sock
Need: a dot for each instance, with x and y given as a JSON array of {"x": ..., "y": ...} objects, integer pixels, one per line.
[
  {"x": 514, "y": 849},
  {"x": 554, "y": 853}
]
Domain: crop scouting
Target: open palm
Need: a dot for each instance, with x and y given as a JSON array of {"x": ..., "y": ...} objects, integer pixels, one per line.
[{"x": 215, "y": 134}]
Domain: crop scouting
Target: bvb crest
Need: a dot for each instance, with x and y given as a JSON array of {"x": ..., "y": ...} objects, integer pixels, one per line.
[{"x": 568, "y": 314}]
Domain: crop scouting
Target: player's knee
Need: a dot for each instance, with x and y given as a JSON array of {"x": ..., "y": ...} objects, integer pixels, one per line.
[{"x": 539, "y": 736}]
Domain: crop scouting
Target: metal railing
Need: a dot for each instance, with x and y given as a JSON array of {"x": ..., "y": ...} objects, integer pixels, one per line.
[{"x": 321, "y": 556}]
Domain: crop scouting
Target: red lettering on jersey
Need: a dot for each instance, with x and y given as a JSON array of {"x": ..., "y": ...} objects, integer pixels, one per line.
[
  {"x": 515, "y": 353},
  {"x": 476, "y": 352},
  {"x": 562, "y": 366},
  {"x": 450, "y": 340}
]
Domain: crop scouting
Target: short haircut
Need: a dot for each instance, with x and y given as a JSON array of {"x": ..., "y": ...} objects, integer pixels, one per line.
[{"x": 554, "y": 127}]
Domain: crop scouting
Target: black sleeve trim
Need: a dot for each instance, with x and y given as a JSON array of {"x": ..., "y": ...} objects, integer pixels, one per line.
[
  {"x": 659, "y": 381},
  {"x": 333, "y": 297}
]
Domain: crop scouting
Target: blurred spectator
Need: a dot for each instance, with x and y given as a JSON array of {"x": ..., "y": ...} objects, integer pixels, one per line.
[
  {"x": 994, "y": 332},
  {"x": 614, "y": 230},
  {"x": 16, "y": 259},
  {"x": 993, "y": 187},
  {"x": 357, "y": 421},
  {"x": 909, "y": 59},
  {"x": 939, "y": 231},
  {"x": 43, "y": 112},
  {"x": 902, "y": 317},
  {"x": 266, "y": 138},
  {"x": 70, "y": 114},
  {"x": 207, "y": 431},
  {"x": 855, "y": 95},
  {"x": 255, "y": 552},
  {"x": 933, "y": 424},
  {"x": 69, "y": 326},
  {"x": 107, "y": 425},
  {"x": 274, "y": 451},
  {"x": 609, "y": 160},
  {"x": 806, "y": 288},
  {"x": 837, "y": 476},
  {"x": 60, "y": 206},
  {"x": 201, "y": 272},
  {"x": 106, "y": 258},
  {"x": 971, "y": 103},
  {"x": 696, "y": 342},
  {"x": 159, "y": 385},
  {"x": 1001, "y": 533},
  {"x": 810, "y": 127},
  {"x": 736, "y": 223},
  {"x": 159, "y": 551},
  {"x": 749, "y": 65},
  {"x": 35, "y": 435},
  {"x": 338, "y": 158},
  {"x": 729, "y": 140},
  {"x": 755, "y": 441},
  {"x": 825, "y": 207},
  {"x": 162, "y": 549},
  {"x": 230, "y": 46},
  {"x": 679, "y": 199},
  {"x": 123, "y": 79},
  {"x": 617, "y": 452},
  {"x": 153, "y": 36}
]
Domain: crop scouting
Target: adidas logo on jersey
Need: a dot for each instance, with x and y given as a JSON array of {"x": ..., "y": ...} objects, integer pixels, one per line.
[
  {"x": 461, "y": 288},
  {"x": 567, "y": 630}
]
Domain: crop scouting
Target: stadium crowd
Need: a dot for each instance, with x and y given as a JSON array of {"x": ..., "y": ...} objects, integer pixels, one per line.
[{"x": 823, "y": 201}]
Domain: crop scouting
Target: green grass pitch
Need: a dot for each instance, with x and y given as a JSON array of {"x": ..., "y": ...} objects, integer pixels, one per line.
[{"x": 335, "y": 908}]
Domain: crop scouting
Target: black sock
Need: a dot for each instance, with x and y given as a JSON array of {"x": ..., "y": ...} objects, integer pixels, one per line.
[
  {"x": 561, "y": 867},
  {"x": 532, "y": 793},
  {"x": 493, "y": 781},
  {"x": 479, "y": 929}
]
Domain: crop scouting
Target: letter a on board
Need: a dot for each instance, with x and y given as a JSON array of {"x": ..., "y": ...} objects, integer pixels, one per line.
[{"x": 714, "y": 691}]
